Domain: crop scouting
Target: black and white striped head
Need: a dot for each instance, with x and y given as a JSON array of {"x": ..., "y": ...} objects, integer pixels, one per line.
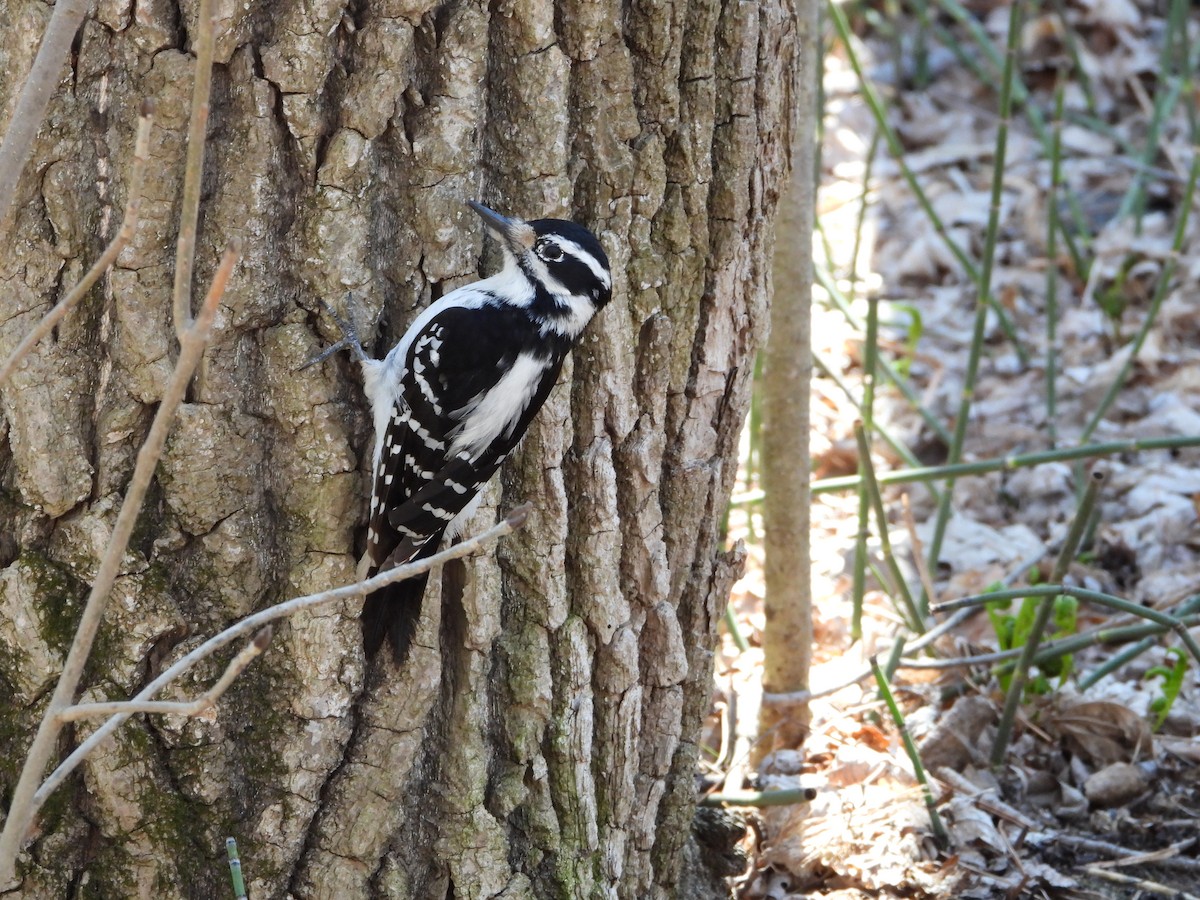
[{"x": 562, "y": 261}]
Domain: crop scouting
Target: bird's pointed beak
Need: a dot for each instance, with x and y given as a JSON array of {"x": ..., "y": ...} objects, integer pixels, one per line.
[{"x": 517, "y": 234}]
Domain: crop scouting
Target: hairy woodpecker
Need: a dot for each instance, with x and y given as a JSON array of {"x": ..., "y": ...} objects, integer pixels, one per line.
[{"x": 453, "y": 398}]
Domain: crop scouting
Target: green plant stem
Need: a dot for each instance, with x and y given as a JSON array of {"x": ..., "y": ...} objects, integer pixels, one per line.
[
  {"x": 1121, "y": 659},
  {"x": 1118, "y": 635},
  {"x": 1071, "y": 42},
  {"x": 1070, "y": 547},
  {"x": 870, "y": 361},
  {"x": 760, "y": 799},
  {"x": 858, "y": 583},
  {"x": 906, "y": 606},
  {"x": 994, "y": 464},
  {"x": 870, "y": 355},
  {"x": 1052, "y": 650},
  {"x": 891, "y": 12},
  {"x": 735, "y": 632},
  {"x": 1002, "y": 463},
  {"x": 972, "y": 63},
  {"x": 875, "y": 103},
  {"x": 861, "y": 219},
  {"x": 1160, "y": 293},
  {"x": 1052, "y": 227},
  {"x": 1134, "y": 201},
  {"x": 1177, "y": 28},
  {"x": 902, "y": 384},
  {"x": 1172, "y": 623},
  {"x": 895, "y": 656},
  {"x": 235, "y": 869},
  {"x": 1102, "y": 636},
  {"x": 910, "y": 747},
  {"x": 1021, "y": 97},
  {"x": 983, "y": 41},
  {"x": 921, "y": 46},
  {"x": 975, "y": 353},
  {"x": 898, "y": 447},
  {"x": 1173, "y": 60},
  {"x": 755, "y": 423}
]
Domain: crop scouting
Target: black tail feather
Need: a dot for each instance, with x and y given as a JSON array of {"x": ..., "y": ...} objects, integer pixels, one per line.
[{"x": 391, "y": 614}]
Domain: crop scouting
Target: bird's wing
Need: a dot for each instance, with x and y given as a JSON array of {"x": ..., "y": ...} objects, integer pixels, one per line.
[{"x": 426, "y": 474}]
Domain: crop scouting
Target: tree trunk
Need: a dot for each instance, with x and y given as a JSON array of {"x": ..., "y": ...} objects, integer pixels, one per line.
[
  {"x": 542, "y": 740},
  {"x": 787, "y": 383}
]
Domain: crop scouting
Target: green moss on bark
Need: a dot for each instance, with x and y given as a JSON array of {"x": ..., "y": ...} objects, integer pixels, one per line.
[{"x": 58, "y": 598}]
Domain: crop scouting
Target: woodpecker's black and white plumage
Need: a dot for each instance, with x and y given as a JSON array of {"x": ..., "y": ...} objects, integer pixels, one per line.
[{"x": 457, "y": 393}]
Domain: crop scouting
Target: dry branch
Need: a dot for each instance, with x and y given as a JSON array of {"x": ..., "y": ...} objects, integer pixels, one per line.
[
  {"x": 22, "y": 807},
  {"x": 189, "y": 213},
  {"x": 198, "y": 707},
  {"x": 507, "y": 525},
  {"x": 35, "y": 96},
  {"x": 132, "y": 206}
]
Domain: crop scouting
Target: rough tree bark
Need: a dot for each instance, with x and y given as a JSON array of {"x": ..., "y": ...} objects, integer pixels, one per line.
[{"x": 543, "y": 740}]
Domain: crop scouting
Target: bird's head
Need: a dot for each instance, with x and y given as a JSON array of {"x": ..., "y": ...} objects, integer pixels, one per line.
[{"x": 562, "y": 258}]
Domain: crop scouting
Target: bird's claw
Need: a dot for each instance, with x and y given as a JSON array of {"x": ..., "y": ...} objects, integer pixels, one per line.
[{"x": 349, "y": 337}]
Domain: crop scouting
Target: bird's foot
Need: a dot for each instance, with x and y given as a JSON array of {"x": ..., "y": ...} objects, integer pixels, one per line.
[{"x": 349, "y": 337}]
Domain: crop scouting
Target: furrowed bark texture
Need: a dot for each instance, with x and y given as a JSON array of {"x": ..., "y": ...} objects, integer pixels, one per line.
[{"x": 542, "y": 742}]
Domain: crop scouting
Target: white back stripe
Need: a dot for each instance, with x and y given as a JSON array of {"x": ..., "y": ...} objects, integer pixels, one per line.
[{"x": 497, "y": 410}]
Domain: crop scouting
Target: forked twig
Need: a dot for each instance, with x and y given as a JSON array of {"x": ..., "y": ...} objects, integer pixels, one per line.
[
  {"x": 193, "y": 337},
  {"x": 132, "y": 207},
  {"x": 22, "y": 807},
  {"x": 507, "y": 525},
  {"x": 198, "y": 707}
]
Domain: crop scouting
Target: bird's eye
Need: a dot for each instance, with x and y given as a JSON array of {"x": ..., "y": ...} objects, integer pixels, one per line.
[{"x": 550, "y": 251}]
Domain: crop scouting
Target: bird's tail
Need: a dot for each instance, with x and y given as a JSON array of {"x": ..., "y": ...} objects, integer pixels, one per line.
[{"x": 391, "y": 613}]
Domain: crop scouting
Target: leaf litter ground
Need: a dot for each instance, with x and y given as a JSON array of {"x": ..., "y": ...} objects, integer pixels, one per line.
[{"x": 1092, "y": 802}]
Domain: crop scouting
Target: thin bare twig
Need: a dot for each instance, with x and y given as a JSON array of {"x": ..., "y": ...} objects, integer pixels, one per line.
[
  {"x": 507, "y": 525},
  {"x": 1167, "y": 857},
  {"x": 1140, "y": 884},
  {"x": 22, "y": 807},
  {"x": 35, "y": 96},
  {"x": 198, "y": 707},
  {"x": 189, "y": 212},
  {"x": 132, "y": 206}
]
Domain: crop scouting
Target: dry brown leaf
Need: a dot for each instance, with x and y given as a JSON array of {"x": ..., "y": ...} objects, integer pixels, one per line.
[
  {"x": 840, "y": 459},
  {"x": 1100, "y": 732},
  {"x": 872, "y": 737},
  {"x": 1112, "y": 12},
  {"x": 970, "y": 826},
  {"x": 1186, "y": 748},
  {"x": 955, "y": 740}
]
